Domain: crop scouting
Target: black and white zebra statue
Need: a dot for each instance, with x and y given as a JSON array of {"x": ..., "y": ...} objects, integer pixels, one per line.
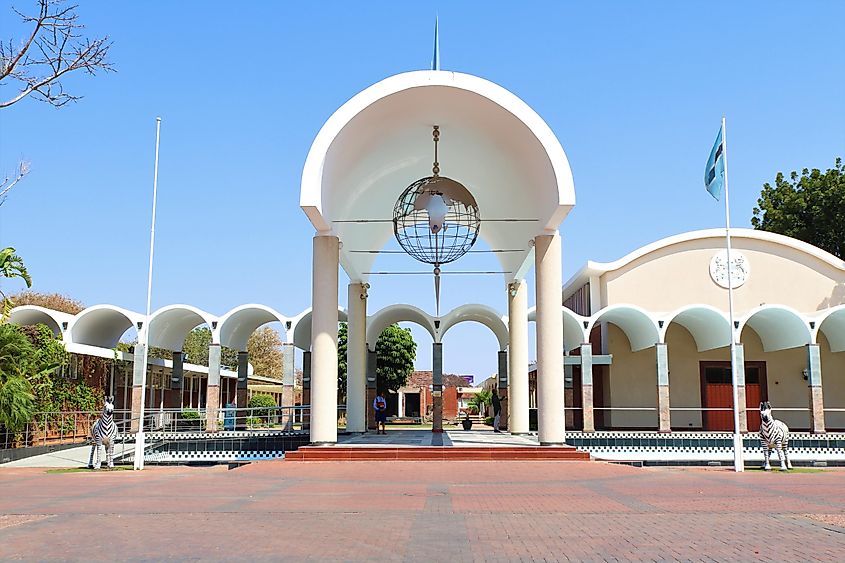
[
  {"x": 103, "y": 433},
  {"x": 774, "y": 435}
]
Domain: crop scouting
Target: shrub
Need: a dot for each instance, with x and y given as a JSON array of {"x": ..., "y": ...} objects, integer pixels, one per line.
[
  {"x": 190, "y": 414},
  {"x": 263, "y": 402},
  {"x": 488, "y": 421}
]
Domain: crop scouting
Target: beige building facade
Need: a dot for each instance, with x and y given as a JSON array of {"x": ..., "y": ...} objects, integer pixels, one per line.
[{"x": 659, "y": 317}]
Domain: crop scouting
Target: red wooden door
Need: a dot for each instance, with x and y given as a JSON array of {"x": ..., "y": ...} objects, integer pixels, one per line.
[
  {"x": 717, "y": 393},
  {"x": 718, "y": 396}
]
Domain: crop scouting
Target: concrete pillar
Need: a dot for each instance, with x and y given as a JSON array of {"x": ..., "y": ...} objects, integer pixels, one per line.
[
  {"x": 518, "y": 357},
  {"x": 664, "y": 423},
  {"x": 241, "y": 394},
  {"x": 212, "y": 393},
  {"x": 288, "y": 385},
  {"x": 324, "y": 340},
  {"x": 437, "y": 387},
  {"x": 356, "y": 358},
  {"x": 502, "y": 385},
  {"x": 814, "y": 382},
  {"x": 372, "y": 364},
  {"x": 587, "y": 387},
  {"x": 400, "y": 404},
  {"x": 551, "y": 415},
  {"x": 138, "y": 368},
  {"x": 306, "y": 390},
  {"x": 739, "y": 361},
  {"x": 178, "y": 373}
]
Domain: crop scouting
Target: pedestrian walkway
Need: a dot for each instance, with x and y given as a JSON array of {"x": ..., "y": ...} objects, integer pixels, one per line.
[
  {"x": 421, "y": 438},
  {"x": 434, "y": 511}
]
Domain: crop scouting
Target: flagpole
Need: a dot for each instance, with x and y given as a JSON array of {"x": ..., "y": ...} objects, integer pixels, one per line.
[
  {"x": 145, "y": 332},
  {"x": 739, "y": 465}
]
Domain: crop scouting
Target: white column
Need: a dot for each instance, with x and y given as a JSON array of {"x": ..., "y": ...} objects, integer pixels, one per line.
[
  {"x": 324, "y": 340},
  {"x": 518, "y": 357},
  {"x": 356, "y": 358},
  {"x": 551, "y": 418},
  {"x": 400, "y": 410}
]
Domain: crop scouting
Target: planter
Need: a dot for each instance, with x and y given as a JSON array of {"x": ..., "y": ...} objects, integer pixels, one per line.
[{"x": 467, "y": 424}]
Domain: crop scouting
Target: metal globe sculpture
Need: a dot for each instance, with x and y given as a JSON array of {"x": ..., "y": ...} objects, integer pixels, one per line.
[{"x": 436, "y": 220}]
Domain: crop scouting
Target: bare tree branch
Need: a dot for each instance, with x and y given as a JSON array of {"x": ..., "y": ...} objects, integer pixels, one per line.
[
  {"x": 54, "y": 48},
  {"x": 8, "y": 183}
]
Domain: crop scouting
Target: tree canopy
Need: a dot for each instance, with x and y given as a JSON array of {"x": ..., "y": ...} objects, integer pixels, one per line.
[
  {"x": 396, "y": 352},
  {"x": 264, "y": 347},
  {"x": 54, "y": 301},
  {"x": 809, "y": 207}
]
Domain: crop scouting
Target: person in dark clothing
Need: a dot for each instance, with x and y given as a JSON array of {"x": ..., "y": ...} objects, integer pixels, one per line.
[
  {"x": 380, "y": 406},
  {"x": 497, "y": 410}
]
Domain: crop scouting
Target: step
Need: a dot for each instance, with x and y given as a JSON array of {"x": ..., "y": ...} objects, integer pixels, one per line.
[{"x": 437, "y": 453}]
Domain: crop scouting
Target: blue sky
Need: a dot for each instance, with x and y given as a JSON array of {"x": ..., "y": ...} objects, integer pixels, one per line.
[{"x": 634, "y": 92}]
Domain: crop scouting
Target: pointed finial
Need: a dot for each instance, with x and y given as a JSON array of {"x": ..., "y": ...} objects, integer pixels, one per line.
[{"x": 435, "y": 62}]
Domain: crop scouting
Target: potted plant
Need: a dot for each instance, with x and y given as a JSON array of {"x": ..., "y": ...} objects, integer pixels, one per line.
[{"x": 466, "y": 422}]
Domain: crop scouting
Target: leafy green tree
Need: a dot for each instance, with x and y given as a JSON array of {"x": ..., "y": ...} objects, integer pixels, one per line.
[
  {"x": 12, "y": 266},
  {"x": 28, "y": 357},
  {"x": 809, "y": 207},
  {"x": 481, "y": 399},
  {"x": 396, "y": 352}
]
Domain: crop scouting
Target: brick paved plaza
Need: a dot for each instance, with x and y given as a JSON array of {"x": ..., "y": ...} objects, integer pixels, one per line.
[{"x": 434, "y": 511}]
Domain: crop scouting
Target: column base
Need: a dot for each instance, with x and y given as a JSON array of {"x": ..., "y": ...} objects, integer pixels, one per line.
[
  {"x": 552, "y": 443},
  {"x": 323, "y": 444},
  {"x": 437, "y": 430}
]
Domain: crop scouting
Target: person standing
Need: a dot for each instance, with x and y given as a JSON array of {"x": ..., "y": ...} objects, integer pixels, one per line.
[
  {"x": 380, "y": 406},
  {"x": 497, "y": 410}
]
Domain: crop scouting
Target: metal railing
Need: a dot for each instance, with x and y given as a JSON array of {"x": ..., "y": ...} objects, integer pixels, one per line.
[{"x": 59, "y": 428}]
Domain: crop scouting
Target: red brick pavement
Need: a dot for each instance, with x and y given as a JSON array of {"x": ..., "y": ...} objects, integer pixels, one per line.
[{"x": 432, "y": 511}]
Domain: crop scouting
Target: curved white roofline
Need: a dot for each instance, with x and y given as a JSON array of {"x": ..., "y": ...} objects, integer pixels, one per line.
[
  {"x": 639, "y": 326},
  {"x": 709, "y": 327},
  {"x": 169, "y": 325},
  {"x": 27, "y": 315},
  {"x": 299, "y": 333},
  {"x": 574, "y": 331},
  {"x": 778, "y": 326},
  {"x": 483, "y": 314},
  {"x": 832, "y": 323},
  {"x": 598, "y": 268},
  {"x": 236, "y": 326},
  {"x": 102, "y": 325},
  {"x": 396, "y": 314},
  {"x": 311, "y": 187}
]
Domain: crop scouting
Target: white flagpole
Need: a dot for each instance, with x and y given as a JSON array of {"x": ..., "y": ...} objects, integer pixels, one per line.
[
  {"x": 139, "y": 437},
  {"x": 739, "y": 465}
]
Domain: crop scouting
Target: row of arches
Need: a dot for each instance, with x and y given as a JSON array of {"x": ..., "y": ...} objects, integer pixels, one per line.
[{"x": 779, "y": 326}]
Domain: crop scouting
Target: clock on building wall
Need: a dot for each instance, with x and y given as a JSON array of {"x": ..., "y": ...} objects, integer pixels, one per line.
[{"x": 740, "y": 268}]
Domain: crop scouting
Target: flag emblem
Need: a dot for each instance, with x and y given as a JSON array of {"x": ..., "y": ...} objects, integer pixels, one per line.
[{"x": 714, "y": 173}]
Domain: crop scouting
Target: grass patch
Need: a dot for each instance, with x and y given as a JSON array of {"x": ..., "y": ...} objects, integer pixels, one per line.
[
  {"x": 793, "y": 470},
  {"x": 86, "y": 470}
]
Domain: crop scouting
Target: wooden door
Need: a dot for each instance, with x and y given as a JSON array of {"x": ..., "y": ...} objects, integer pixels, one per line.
[{"x": 717, "y": 393}]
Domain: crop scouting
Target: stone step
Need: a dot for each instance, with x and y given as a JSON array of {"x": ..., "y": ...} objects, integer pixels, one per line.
[{"x": 437, "y": 453}]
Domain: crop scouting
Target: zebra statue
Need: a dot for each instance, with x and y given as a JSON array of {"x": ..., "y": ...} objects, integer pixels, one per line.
[
  {"x": 774, "y": 435},
  {"x": 104, "y": 433}
]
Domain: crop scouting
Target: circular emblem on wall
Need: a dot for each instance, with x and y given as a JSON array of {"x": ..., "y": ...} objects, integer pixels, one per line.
[{"x": 740, "y": 268}]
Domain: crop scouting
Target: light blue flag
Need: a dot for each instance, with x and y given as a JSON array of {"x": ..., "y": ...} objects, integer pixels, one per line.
[{"x": 714, "y": 174}]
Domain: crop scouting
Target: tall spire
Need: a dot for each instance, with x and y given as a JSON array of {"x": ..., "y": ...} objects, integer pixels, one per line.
[{"x": 435, "y": 61}]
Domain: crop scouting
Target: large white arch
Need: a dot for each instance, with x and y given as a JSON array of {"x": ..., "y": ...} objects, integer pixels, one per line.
[
  {"x": 171, "y": 324},
  {"x": 574, "y": 333},
  {"x": 709, "y": 327},
  {"x": 102, "y": 325},
  {"x": 480, "y": 314},
  {"x": 637, "y": 324},
  {"x": 380, "y": 141},
  {"x": 29, "y": 315},
  {"x": 235, "y": 327},
  {"x": 299, "y": 333},
  {"x": 396, "y": 314},
  {"x": 778, "y": 326},
  {"x": 832, "y": 323}
]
